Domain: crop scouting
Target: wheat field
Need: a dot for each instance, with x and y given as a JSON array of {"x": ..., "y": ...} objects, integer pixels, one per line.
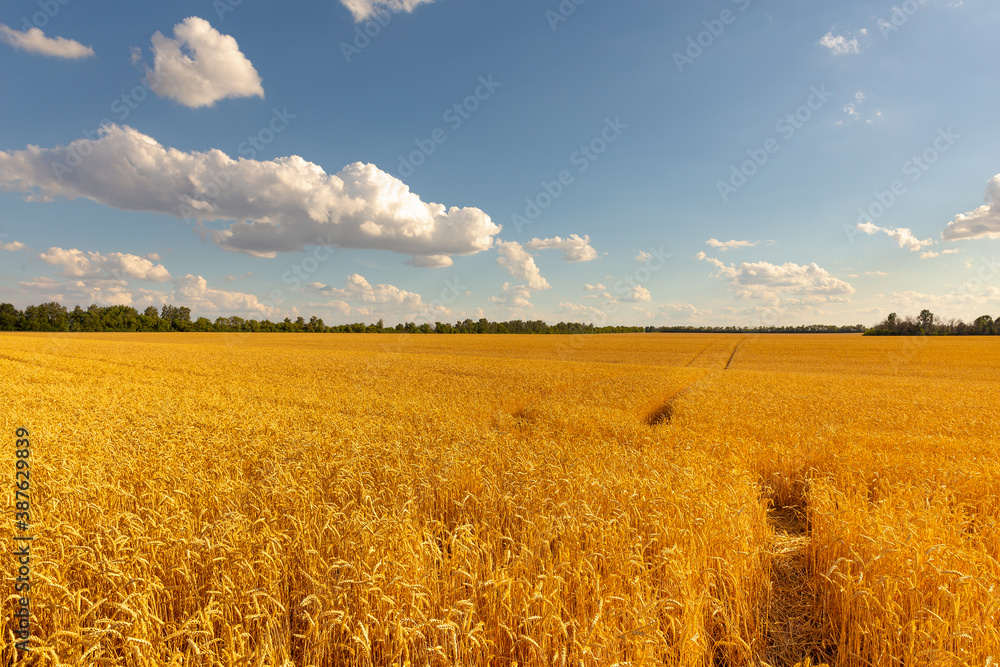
[{"x": 357, "y": 500}]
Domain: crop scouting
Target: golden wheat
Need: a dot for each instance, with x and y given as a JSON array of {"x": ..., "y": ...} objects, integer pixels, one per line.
[{"x": 531, "y": 500}]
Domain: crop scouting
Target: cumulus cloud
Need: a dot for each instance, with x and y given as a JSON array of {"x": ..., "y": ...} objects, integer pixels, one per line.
[
  {"x": 200, "y": 66},
  {"x": 513, "y": 297},
  {"x": 357, "y": 288},
  {"x": 282, "y": 205},
  {"x": 901, "y": 235},
  {"x": 585, "y": 313},
  {"x": 781, "y": 282},
  {"x": 430, "y": 261},
  {"x": 638, "y": 294},
  {"x": 731, "y": 245},
  {"x": 840, "y": 45},
  {"x": 12, "y": 246},
  {"x": 681, "y": 310},
  {"x": 121, "y": 266},
  {"x": 190, "y": 290},
  {"x": 194, "y": 292},
  {"x": 521, "y": 264},
  {"x": 575, "y": 248},
  {"x": 984, "y": 222},
  {"x": 595, "y": 288},
  {"x": 963, "y": 297},
  {"x": 34, "y": 41},
  {"x": 363, "y": 9}
]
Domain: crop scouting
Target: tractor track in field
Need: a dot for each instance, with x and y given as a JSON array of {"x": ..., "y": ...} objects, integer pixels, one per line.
[
  {"x": 664, "y": 413},
  {"x": 794, "y": 631}
]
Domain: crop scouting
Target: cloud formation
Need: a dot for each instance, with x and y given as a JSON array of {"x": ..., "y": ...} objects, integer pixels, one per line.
[
  {"x": 190, "y": 290},
  {"x": 731, "y": 245},
  {"x": 781, "y": 282},
  {"x": 840, "y": 45},
  {"x": 357, "y": 288},
  {"x": 984, "y": 222},
  {"x": 932, "y": 255},
  {"x": 513, "y": 297},
  {"x": 34, "y": 40},
  {"x": 282, "y": 205},
  {"x": 363, "y": 9},
  {"x": 115, "y": 265},
  {"x": 521, "y": 264},
  {"x": 12, "y": 246},
  {"x": 901, "y": 235},
  {"x": 200, "y": 66},
  {"x": 576, "y": 249}
]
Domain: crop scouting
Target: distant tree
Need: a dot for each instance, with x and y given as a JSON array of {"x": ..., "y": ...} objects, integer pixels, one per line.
[
  {"x": 983, "y": 325},
  {"x": 9, "y": 315},
  {"x": 926, "y": 319}
]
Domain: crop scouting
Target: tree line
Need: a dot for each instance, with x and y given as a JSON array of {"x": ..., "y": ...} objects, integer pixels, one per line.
[
  {"x": 54, "y": 317},
  {"x": 927, "y": 324}
]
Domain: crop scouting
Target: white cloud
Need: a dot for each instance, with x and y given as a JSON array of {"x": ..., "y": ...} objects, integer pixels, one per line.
[
  {"x": 638, "y": 294},
  {"x": 932, "y": 255},
  {"x": 282, "y": 205},
  {"x": 521, "y": 265},
  {"x": 35, "y": 41},
  {"x": 120, "y": 266},
  {"x": 643, "y": 256},
  {"x": 194, "y": 292},
  {"x": 200, "y": 66},
  {"x": 787, "y": 282},
  {"x": 853, "y": 110},
  {"x": 912, "y": 300},
  {"x": 576, "y": 249},
  {"x": 191, "y": 291},
  {"x": 430, "y": 261},
  {"x": 595, "y": 288},
  {"x": 585, "y": 313},
  {"x": 901, "y": 235},
  {"x": 363, "y": 9},
  {"x": 730, "y": 245},
  {"x": 984, "y": 222},
  {"x": 384, "y": 297},
  {"x": 876, "y": 273},
  {"x": 11, "y": 246},
  {"x": 513, "y": 296},
  {"x": 839, "y": 45},
  {"x": 681, "y": 310}
]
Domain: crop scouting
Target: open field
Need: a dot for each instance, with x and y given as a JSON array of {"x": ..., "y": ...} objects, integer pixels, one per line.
[{"x": 533, "y": 500}]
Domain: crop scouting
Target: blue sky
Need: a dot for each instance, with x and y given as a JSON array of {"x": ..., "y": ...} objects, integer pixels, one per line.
[{"x": 732, "y": 162}]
